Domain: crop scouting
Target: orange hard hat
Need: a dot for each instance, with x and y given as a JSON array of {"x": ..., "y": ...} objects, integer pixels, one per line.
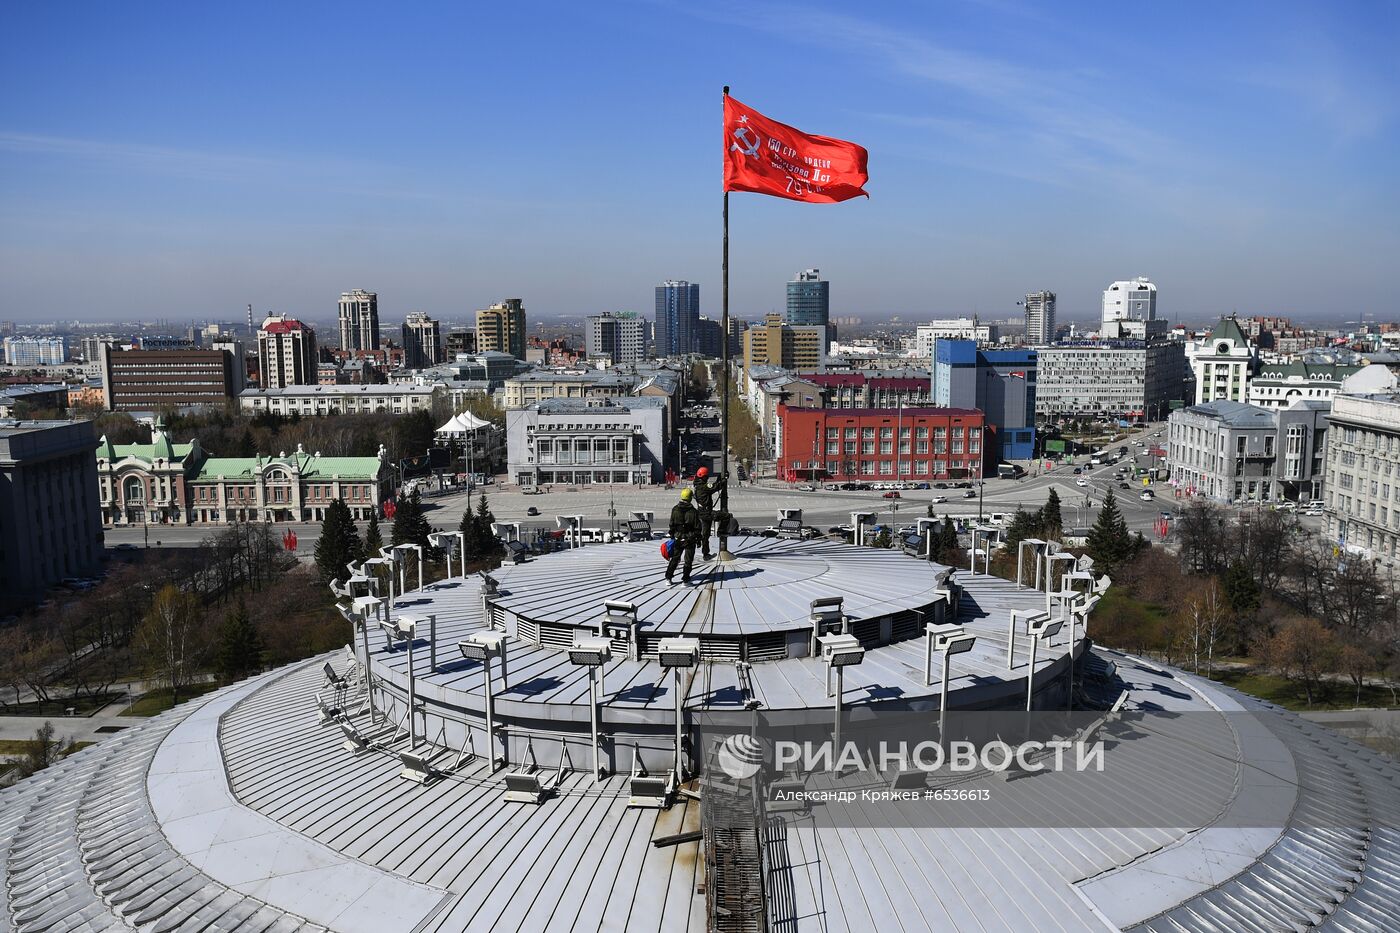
[{"x": 702, "y": 472}]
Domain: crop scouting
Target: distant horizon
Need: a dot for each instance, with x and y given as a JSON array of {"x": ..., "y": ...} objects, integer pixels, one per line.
[{"x": 232, "y": 157}]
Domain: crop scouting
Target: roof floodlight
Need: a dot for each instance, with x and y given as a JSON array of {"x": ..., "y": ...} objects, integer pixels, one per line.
[
  {"x": 478, "y": 646},
  {"x": 841, "y": 650},
  {"x": 1043, "y": 627},
  {"x": 679, "y": 652},
  {"x": 959, "y": 643},
  {"x": 591, "y": 652},
  {"x": 942, "y": 634}
]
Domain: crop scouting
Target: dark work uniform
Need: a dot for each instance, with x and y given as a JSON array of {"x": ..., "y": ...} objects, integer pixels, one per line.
[
  {"x": 705, "y": 506},
  {"x": 685, "y": 529}
]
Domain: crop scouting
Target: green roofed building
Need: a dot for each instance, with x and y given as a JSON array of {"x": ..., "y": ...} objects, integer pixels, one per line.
[
  {"x": 167, "y": 483},
  {"x": 295, "y": 488},
  {"x": 146, "y": 484},
  {"x": 1279, "y": 385}
]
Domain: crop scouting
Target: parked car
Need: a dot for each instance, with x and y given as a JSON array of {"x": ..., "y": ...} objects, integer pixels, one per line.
[
  {"x": 892, "y": 494},
  {"x": 807, "y": 487},
  {"x": 940, "y": 485}
]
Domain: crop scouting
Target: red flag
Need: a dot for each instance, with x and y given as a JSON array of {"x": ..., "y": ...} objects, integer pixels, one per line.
[{"x": 769, "y": 157}]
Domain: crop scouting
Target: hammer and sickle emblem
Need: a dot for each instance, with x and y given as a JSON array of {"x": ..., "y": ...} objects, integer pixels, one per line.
[{"x": 743, "y": 135}]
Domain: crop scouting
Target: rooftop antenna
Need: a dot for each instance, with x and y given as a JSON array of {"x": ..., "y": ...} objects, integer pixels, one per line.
[{"x": 250, "y": 320}]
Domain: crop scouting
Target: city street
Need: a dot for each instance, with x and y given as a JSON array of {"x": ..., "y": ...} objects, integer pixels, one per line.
[{"x": 755, "y": 506}]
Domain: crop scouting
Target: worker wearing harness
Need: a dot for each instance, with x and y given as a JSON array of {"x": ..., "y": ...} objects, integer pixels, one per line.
[
  {"x": 705, "y": 505},
  {"x": 685, "y": 532}
]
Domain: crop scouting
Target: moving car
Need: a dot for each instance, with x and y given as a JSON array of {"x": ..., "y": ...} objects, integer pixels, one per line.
[
  {"x": 1081, "y": 482},
  {"x": 532, "y": 511},
  {"x": 892, "y": 494},
  {"x": 1147, "y": 495},
  {"x": 1078, "y": 470},
  {"x": 970, "y": 494},
  {"x": 938, "y": 500}
]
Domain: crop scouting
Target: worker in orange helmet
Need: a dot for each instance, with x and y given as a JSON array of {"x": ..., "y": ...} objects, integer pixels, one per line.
[{"x": 705, "y": 505}]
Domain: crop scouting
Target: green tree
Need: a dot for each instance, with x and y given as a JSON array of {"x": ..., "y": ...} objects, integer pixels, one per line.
[
  {"x": 884, "y": 539},
  {"x": 1051, "y": 523},
  {"x": 373, "y": 539},
  {"x": 1109, "y": 542},
  {"x": 488, "y": 545},
  {"x": 339, "y": 543},
  {"x": 1023, "y": 525},
  {"x": 240, "y": 647},
  {"x": 946, "y": 543},
  {"x": 471, "y": 538}
]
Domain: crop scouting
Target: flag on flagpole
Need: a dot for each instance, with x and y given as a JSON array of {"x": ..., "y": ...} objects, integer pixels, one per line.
[{"x": 768, "y": 157}]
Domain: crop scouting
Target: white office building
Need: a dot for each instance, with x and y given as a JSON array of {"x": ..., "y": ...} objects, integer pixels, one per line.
[
  {"x": 362, "y": 398},
  {"x": 617, "y": 338},
  {"x": 1132, "y": 300},
  {"x": 959, "y": 328}
]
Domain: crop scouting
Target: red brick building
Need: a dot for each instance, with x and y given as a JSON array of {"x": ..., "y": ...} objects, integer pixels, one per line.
[{"x": 881, "y": 444}]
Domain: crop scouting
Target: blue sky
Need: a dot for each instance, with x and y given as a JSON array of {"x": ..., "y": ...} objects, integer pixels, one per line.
[{"x": 181, "y": 160}]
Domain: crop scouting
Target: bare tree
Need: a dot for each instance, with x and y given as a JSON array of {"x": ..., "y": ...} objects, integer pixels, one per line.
[
  {"x": 1304, "y": 651},
  {"x": 1356, "y": 660},
  {"x": 173, "y": 639},
  {"x": 1203, "y": 618}
]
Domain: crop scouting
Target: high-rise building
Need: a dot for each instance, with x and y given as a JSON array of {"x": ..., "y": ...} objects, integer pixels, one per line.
[
  {"x": 359, "y": 320},
  {"x": 50, "y": 524},
  {"x": 619, "y": 338},
  {"x": 91, "y": 347},
  {"x": 1134, "y": 300},
  {"x": 1040, "y": 318},
  {"x": 501, "y": 328},
  {"x": 1001, "y": 383},
  {"x": 809, "y": 299},
  {"x": 775, "y": 342},
  {"x": 238, "y": 353},
  {"x": 286, "y": 353},
  {"x": 422, "y": 341},
  {"x": 677, "y": 310},
  {"x": 35, "y": 351},
  {"x": 148, "y": 380},
  {"x": 460, "y": 340}
]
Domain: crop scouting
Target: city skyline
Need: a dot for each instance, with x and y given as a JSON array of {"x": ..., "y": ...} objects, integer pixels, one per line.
[{"x": 1245, "y": 170}]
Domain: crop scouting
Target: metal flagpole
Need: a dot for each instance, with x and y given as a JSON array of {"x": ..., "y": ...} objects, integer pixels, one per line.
[{"x": 728, "y": 382}]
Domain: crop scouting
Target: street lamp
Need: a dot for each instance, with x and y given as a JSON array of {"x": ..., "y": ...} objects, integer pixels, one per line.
[
  {"x": 482, "y": 647},
  {"x": 1037, "y": 629},
  {"x": 949, "y": 640},
  {"x": 404, "y": 630},
  {"x": 382, "y": 562},
  {"x": 362, "y": 607},
  {"x": 859, "y": 520},
  {"x": 839, "y": 652},
  {"x": 593, "y": 653},
  {"x": 679, "y": 654},
  {"x": 399, "y": 553},
  {"x": 450, "y": 542}
]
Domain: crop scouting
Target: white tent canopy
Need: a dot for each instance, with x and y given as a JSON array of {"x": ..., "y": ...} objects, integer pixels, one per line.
[{"x": 464, "y": 423}]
